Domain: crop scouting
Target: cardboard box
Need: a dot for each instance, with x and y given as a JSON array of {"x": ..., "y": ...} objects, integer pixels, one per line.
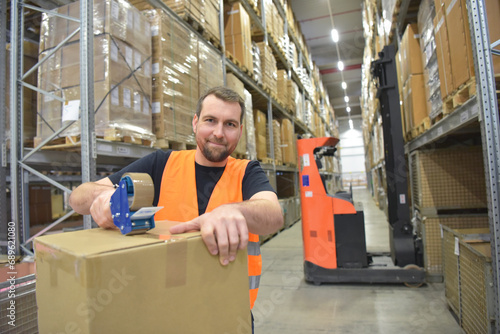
[
  {"x": 260, "y": 121},
  {"x": 99, "y": 281},
  {"x": 411, "y": 55},
  {"x": 288, "y": 142},
  {"x": 237, "y": 34},
  {"x": 414, "y": 102},
  {"x": 443, "y": 52},
  {"x": 462, "y": 62}
]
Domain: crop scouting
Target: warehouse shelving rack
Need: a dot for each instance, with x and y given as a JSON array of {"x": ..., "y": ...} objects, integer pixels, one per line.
[
  {"x": 26, "y": 164},
  {"x": 480, "y": 111}
]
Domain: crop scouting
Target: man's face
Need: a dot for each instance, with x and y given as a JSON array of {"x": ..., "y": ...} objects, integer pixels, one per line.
[{"x": 217, "y": 130}]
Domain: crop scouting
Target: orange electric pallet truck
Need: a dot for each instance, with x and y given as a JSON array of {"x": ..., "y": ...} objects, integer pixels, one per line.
[{"x": 333, "y": 225}]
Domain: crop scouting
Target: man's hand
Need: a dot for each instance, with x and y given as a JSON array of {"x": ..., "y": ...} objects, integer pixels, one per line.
[
  {"x": 101, "y": 210},
  {"x": 224, "y": 231}
]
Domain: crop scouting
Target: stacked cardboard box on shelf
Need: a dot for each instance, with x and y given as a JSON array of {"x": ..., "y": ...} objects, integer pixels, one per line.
[
  {"x": 283, "y": 80},
  {"x": 269, "y": 69},
  {"x": 260, "y": 122},
  {"x": 414, "y": 102},
  {"x": 175, "y": 78},
  {"x": 249, "y": 125},
  {"x": 235, "y": 84},
  {"x": 211, "y": 19},
  {"x": 188, "y": 9},
  {"x": 237, "y": 35},
  {"x": 122, "y": 73},
  {"x": 432, "y": 83},
  {"x": 278, "y": 155},
  {"x": 292, "y": 88},
  {"x": 288, "y": 142},
  {"x": 209, "y": 68},
  {"x": 257, "y": 65}
]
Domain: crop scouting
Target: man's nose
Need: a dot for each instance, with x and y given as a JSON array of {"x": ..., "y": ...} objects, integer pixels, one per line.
[{"x": 219, "y": 130}]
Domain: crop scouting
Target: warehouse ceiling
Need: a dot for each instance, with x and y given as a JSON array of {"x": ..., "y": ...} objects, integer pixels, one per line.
[
  {"x": 315, "y": 18},
  {"x": 316, "y": 25}
]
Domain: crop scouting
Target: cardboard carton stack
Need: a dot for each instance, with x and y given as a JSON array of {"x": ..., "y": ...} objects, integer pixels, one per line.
[
  {"x": 414, "y": 102},
  {"x": 187, "y": 9},
  {"x": 283, "y": 80},
  {"x": 237, "y": 35},
  {"x": 249, "y": 125},
  {"x": 209, "y": 68},
  {"x": 235, "y": 84},
  {"x": 257, "y": 65},
  {"x": 292, "y": 88},
  {"x": 278, "y": 156},
  {"x": 175, "y": 78},
  {"x": 269, "y": 69},
  {"x": 288, "y": 142},
  {"x": 211, "y": 19},
  {"x": 122, "y": 72},
  {"x": 260, "y": 121}
]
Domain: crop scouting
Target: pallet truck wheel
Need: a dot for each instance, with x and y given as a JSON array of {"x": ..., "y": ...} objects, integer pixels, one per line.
[{"x": 413, "y": 285}]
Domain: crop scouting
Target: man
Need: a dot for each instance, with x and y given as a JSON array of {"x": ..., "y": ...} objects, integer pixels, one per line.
[{"x": 229, "y": 200}]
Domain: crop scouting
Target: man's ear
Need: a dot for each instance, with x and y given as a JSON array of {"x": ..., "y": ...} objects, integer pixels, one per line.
[{"x": 194, "y": 122}]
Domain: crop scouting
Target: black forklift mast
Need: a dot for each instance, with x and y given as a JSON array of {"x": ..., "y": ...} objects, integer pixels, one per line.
[{"x": 404, "y": 246}]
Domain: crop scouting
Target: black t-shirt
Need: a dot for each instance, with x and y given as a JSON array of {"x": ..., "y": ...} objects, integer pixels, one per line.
[{"x": 254, "y": 180}]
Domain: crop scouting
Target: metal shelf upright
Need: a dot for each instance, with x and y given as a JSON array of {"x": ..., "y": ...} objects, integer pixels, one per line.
[
  {"x": 490, "y": 130},
  {"x": 19, "y": 168}
]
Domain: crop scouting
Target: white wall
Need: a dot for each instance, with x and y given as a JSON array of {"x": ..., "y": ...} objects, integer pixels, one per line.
[{"x": 352, "y": 152}]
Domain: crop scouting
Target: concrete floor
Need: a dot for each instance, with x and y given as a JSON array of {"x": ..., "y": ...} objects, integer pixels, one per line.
[{"x": 287, "y": 304}]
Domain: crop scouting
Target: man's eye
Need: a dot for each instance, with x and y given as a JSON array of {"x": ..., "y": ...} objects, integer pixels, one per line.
[{"x": 232, "y": 124}]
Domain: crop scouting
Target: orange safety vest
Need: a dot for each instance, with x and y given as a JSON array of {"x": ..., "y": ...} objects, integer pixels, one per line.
[{"x": 180, "y": 202}]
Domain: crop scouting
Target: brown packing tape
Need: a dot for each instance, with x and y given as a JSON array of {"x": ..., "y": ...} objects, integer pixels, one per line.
[
  {"x": 54, "y": 258},
  {"x": 176, "y": 253},
  {"x": 143, "y": 190}
]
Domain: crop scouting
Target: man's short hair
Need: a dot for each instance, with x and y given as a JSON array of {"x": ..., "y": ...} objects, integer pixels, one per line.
[{"x": 225, "y": 94}]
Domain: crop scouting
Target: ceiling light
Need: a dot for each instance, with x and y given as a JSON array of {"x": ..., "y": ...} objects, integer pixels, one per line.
[
  {"x": 346, "y": 99},
  {"x": 348, "y": 109},
  {"x": 340, "y": 65},
  {"x": 350, "y": 124},
  {"x": 335, "y": 35},
  {"x": 344, "y": 85}
]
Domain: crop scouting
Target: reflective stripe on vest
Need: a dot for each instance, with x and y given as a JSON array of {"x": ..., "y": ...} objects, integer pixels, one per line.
[{"x": 180, "y": 202}]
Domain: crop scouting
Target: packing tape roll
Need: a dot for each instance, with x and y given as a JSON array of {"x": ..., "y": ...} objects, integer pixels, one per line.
[{"x": 144, "y": 191}]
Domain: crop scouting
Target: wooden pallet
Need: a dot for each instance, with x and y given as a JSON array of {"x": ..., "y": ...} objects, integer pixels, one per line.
[
  {"x": 192, "y": 21},
  {"x": 267, "y": 161},
  {"x": 460, "y": 96},
  {"x": 230, "y": 56},
  {"x": 214, "y": 40},
  {"x": 164, "y": 143},
  {"x": 421, "y": 128}
]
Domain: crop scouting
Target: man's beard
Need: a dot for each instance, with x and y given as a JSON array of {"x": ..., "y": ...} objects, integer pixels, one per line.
[{"x": 214, "y": 155}]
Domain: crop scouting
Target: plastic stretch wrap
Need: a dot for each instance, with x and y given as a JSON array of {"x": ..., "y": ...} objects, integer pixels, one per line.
[
  {"x": 250, "y": 126},
  {"x": 175, "y": 78},
  {"x": 122, "y": 73}
]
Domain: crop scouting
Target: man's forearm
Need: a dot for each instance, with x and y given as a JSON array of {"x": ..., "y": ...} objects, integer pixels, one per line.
[
  {"x": 263, "y": 216},
  {"x": 83, "y": 196}
]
